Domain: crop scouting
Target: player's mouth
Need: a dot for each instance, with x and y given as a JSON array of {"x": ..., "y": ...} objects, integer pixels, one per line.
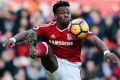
[{"x": 66, "y": 21}]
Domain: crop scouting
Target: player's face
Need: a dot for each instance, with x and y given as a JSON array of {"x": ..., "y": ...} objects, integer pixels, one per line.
[{"x": 63, "y": 15}]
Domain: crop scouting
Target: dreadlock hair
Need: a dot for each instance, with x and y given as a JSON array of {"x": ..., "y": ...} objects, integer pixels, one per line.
[{"x": 59, "y": 4}]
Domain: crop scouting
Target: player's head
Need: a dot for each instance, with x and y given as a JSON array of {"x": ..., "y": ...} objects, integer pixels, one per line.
[{"x": 61, "y": 11}]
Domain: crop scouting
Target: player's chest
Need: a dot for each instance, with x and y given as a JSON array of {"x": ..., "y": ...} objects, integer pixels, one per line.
[
  {"x": 60, "y": 38},
  {"x": 59, "y": 35}
]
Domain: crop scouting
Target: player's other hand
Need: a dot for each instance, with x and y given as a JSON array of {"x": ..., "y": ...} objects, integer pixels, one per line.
[
  {"x": 111, "y": 57},
  {"x": 10, "y": 43}
]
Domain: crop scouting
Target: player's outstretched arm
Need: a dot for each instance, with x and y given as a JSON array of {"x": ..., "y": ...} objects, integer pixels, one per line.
[
  {"x": 100, "y": 44},
  {"x": 18, "y": 37}
]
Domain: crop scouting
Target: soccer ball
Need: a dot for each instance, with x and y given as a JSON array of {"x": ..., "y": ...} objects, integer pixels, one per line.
[{"x": 78, "y": 28}]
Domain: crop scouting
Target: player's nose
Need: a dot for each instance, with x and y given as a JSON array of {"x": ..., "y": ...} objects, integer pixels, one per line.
[{"x": 66, "y": 15}]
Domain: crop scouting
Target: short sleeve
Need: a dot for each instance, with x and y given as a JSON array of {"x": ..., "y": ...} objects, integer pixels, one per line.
[
  {"x": 89, "y": 34},
  {"x": 40, "y": 30},
  {"x": 44, "y": 28}
]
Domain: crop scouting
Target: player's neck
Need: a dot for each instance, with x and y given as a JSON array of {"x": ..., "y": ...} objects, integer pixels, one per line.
[{"x": 60, "y": 26}]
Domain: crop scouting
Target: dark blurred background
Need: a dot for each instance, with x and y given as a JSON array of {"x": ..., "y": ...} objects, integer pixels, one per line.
[{"x": 103, "y": 17}]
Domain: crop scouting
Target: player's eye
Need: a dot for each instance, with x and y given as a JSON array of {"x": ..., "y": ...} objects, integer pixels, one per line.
[
  {"x": 61, "y": 12},
  {"x": 68, "y": 12}
]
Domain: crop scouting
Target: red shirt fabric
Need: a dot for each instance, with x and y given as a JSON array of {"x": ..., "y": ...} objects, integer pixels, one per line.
[{"x": 62, "y": 44}]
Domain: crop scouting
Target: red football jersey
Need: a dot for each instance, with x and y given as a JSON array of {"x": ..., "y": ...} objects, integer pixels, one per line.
[{"x": 62, "y": 44}]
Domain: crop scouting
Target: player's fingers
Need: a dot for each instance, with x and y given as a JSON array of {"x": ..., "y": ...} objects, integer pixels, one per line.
[
  {"x": 107, "y": 59},
  {"x": 13, "y": 44},
  {"x": 111, "y": 57},
  {"x": 8, "y": 45},
  {"x": 115, "y": 58}
]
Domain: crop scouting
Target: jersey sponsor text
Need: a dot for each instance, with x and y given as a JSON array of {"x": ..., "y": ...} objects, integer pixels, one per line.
[{"x": 60, "y": 43}]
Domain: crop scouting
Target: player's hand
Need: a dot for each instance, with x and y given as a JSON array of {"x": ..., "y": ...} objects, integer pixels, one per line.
[
  {"x": 111, "y": 57},
  {"x": 10, "y": 43}
]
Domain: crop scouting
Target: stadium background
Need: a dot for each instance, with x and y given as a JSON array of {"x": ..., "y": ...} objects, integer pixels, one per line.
[{"x": 103, "y": 17}]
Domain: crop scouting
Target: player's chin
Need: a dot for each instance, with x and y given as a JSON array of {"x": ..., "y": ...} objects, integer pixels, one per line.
[{"x": 66, "y": 22}]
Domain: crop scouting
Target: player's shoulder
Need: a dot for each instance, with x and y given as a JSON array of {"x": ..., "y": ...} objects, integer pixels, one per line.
[{"x": 46, "y": 25}]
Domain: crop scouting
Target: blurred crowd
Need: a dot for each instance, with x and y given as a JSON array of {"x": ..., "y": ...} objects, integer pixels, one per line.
[{"x": 14, "y": 18}]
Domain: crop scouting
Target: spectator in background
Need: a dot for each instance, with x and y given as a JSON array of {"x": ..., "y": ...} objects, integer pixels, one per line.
[
  {"x": 96, "y": 30},
  {"x": 22, "y": 22},
  {"x": 35, "y": 72},
  {"x": 37, "y": 18},
  {"x": 116, "y": 71},
  {"x": 107, "y": 71},
  {"x": 118, "y": 37},
  {"x": 20, "y": 75},
  {"x": 91, "y": 70},
  {"x": 33, "y": 5},
  {"x": 22, "y": 13},
  {"x": 116, "y": 49},
  {"x": 7, "y": 76},
  {"x": 8, "y": 56},
  {"x": 97, "y": 20},
  {"x": 80, "y": 12},
  {"x": 2, "y": 28},
  {"x": 82, "y": 74},
  {"x": 2, "y": 67},
  {"x": 110, "y": 27},
  {"x": 8, "y": 18}
]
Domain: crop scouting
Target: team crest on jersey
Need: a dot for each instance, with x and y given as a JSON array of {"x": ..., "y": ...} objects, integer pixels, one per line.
[
  {"x": 36, "y": 27},
  {"x": 69, "y": 37}
]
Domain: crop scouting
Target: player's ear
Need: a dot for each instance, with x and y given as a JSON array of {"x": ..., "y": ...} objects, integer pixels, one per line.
[{"x": 55, "y": 16}]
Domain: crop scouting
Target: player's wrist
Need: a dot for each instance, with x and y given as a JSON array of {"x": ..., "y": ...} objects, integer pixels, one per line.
[
  {"x": 106, "y": 52},
  {"x": 13, "y": 39}
]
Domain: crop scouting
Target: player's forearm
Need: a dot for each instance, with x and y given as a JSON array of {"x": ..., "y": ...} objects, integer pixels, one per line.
[
  {"x": 18, "y": 38},
  {"x": 21, "y": 36},
  {"x": 99, "y": 43}
]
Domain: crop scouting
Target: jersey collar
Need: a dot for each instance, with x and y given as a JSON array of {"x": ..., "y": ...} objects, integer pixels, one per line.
[{"x": 61, "y": 30}]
